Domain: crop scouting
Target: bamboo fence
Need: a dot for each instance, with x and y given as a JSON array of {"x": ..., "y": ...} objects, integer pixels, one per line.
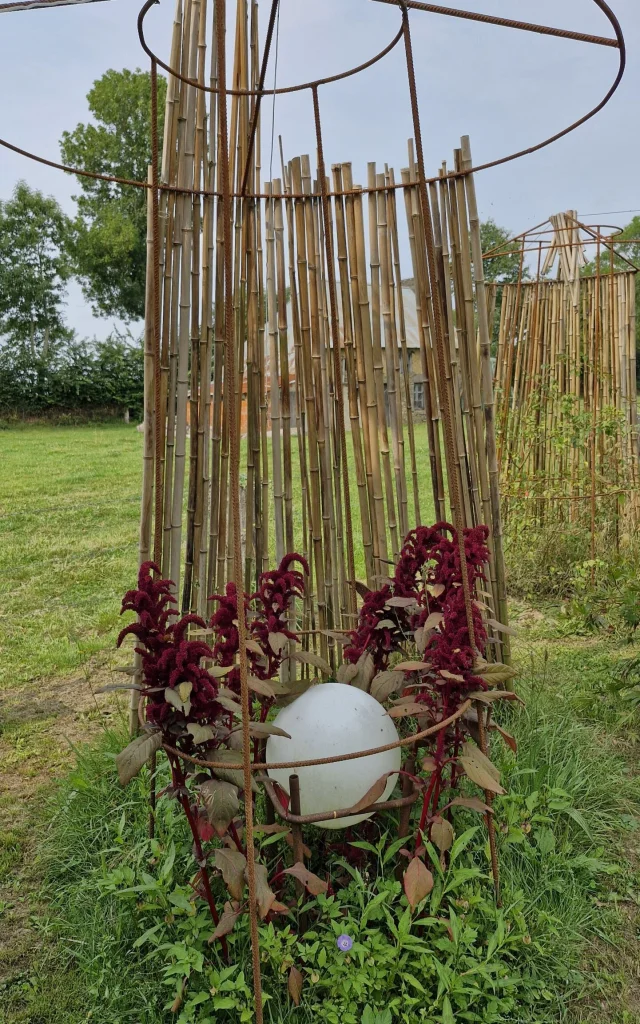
[
  {"x": 318, "y": 308},
  {"x": 565, "y": 380}
]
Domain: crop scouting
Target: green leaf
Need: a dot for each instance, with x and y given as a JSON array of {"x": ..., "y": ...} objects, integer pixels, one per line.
[
  {"x": 447, "y": 1012},
  {"x": 495, "y": 673},
  {"x": 546, "y": 841},
  {"x": 461, "y": 843},
  {"x": 130, "y": 760}
]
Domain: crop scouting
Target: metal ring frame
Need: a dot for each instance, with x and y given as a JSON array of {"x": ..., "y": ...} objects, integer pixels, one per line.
[{"x": 618, "y": 43}]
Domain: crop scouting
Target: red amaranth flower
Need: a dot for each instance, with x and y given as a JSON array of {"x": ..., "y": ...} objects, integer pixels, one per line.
[{"x": 168, "y": 658}]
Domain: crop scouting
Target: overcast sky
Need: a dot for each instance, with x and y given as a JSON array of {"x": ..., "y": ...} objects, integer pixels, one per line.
[{"x": 505, "y": 89}]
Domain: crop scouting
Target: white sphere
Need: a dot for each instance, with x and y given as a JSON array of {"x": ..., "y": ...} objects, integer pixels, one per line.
[{"x": 331, "y": 719}]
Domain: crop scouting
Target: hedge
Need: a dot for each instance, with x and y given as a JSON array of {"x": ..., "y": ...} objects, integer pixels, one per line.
[{"x": 79, "y": 377}]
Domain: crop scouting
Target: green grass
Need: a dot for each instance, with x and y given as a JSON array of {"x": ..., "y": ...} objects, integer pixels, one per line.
[
  {"x": 69, "y": 519},
  {"x": 69, "y": 514}
]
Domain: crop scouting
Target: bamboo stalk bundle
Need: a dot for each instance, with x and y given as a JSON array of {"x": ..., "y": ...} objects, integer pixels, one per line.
[
  {"x": 567, "y": 418},
  {"x": 331, "y": 348}
]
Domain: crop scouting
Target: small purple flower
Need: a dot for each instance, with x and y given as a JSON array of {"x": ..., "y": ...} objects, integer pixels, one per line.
[{"x": 344, "y": 943}]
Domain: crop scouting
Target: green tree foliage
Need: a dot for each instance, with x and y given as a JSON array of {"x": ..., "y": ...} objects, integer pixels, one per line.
[
  {"x": 503, "y": 268},
  {"x": 34, "y": 267},
  {"x": 110, "y": 242},
  {"x": 79, "y": 376}
]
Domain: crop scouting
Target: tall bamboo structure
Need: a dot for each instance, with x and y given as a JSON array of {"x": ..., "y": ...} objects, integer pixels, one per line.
[
  {"x": 565, "y": 379},
  {"x": 319, "y": 315}
]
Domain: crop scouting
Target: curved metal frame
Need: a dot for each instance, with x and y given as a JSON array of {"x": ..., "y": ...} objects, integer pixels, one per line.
[{"x": 314, "y": 85}]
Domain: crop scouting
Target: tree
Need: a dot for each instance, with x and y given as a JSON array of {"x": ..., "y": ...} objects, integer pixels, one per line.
[
  {"x": 34, "y": 268},
  {"x": 110, "y": 242},
  {"x": 505, "y": 268}
]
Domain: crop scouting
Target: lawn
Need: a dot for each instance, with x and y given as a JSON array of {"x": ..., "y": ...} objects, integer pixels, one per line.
[
  {"x": 69, "y": 515},
  {"x": 72, "y": 945}
]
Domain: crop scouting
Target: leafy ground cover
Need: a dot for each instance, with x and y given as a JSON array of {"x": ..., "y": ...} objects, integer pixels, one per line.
[{"x": 98, "y": 924}]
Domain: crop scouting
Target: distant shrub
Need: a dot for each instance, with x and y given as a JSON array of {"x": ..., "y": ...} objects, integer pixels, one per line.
[{"x": 82, "y": 378}]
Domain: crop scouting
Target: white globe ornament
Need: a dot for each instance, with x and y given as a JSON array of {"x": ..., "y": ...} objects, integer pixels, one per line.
[{"x": 331, "y": 719}]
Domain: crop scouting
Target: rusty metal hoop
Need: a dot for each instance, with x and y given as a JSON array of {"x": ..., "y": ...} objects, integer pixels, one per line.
[{"x": 618, "y": 43}]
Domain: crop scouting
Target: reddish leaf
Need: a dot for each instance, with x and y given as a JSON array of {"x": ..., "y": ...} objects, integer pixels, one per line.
[
  {"x": 407, "y": 709},
  {"x": 347, "y": 672},
  {"x": 221, "y": 803},
  {"x": 279, "y": 908},
  {"x": 451, "y": 675},
  {"x": 488, "y": 696},
  {"x": 372, "y": 795},
  {"x": 310, "y": 658},
  {"x": 229, "y": 705},
  {"x": 206, "y": 831},
  {"x": 385, "y": 683},
  {"x": 261, "y": 686},
  {"x": 501, "y": 627},
  {"x": 366, "y": 671},
  {"x": 311, "y": 882},
  {"x": 433, "y": 620},
  {"x": 130, "y": 760},
  {"x": 260, "y": 729},
  {"x": 418, "y": 882},
  {"x": 232, "y": 864},
  {"x": 277, "y": 641},
  {"x": 473, "y": 803},
  {"x": 227, "y": 921},
  {"x": 305, "y": 849},
  {"x": 270, "y": 830},
  {"x": 360, "y": 588},
  {"x": 420, "y": 639},
  {"x": 428, "y": 764},
  {"x": 507, "y": 737},
  {"x": 436, "y": 589},
  {"x": 480, "y": 769},
  {"x": 411, "y": 666},
  {"x": 442, "y": 834},
  {"x": 264, "y": 895},
  {"x": 295, "y": 985},
  {"x": 400, "y": 602}
]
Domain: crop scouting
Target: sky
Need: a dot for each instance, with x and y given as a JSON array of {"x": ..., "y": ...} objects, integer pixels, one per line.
[{"x": 505, "y": 89}]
